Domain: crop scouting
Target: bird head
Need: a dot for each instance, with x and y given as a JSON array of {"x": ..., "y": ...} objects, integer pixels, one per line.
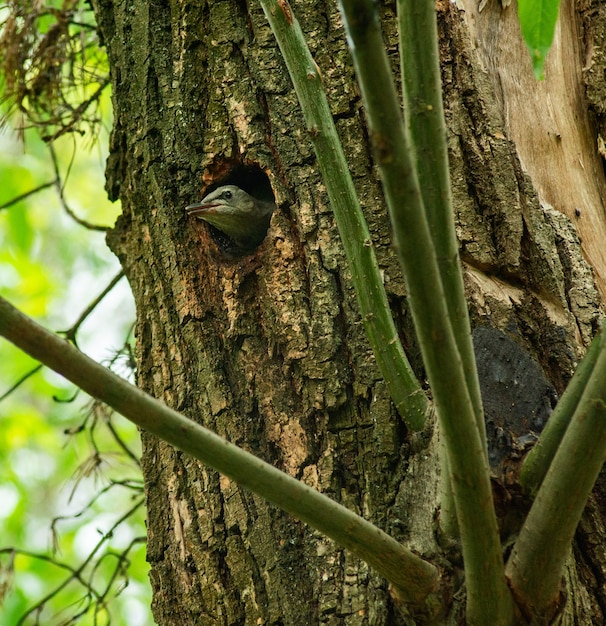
[{"x": 237, "y": 214}]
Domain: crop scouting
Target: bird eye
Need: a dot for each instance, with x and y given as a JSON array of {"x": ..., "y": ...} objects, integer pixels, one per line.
[{"x": 227, "y": 194}]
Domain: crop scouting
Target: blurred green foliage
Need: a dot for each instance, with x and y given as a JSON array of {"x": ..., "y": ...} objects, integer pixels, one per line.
[{"x": 58, "y": 451}]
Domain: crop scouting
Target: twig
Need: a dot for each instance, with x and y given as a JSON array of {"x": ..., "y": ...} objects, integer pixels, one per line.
[
  {"x": 78, "y": 112},
  {"x": 59, "y": 186},
  {"x": 76, "y": 573},
  {"x": 31, "y": 192},
  {"x": 20, "y": 382},
  {"x": 70, "y": 333}
]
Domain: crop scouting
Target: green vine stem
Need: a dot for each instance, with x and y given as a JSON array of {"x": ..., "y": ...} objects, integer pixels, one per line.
[
  {"x": 405, "y": 391},
  {"x": 488, "y": 598},
  {"x": 414, "y": 579},
  {"x": 537, "y": 560},
  {"x": 422, "y": 98},
  {"x": 422, "y": 92},
  {"x": 540, "y": 457}
]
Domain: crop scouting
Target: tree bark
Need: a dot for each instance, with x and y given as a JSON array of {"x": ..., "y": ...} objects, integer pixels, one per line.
[{"x": 268, "y": 349}]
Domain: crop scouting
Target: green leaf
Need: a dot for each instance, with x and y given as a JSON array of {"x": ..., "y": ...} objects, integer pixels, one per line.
[{"x": 537, "y": 20}]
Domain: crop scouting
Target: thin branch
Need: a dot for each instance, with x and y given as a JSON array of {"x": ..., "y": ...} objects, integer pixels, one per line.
[
  {"x": 59, "y": 186},
  {"x": 488, "y": 598},
  {"x": 131, "y": 484},
  {"x": 415, "y": 580},
  {"x": 70, "y": 333},
  {"x": 127, "y": 451},
  {"x": 78, "y": 112},
  {"x": 40, "y": 557},
  {"x": 121, "y": 566},
  {"x": 23, "y": 378},
  {"x": 31, "y": 192},
  {"x": 78, "y": 572}
]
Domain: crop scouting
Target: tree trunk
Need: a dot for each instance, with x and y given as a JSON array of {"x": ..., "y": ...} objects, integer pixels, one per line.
[{"x": 268, "y": 348}]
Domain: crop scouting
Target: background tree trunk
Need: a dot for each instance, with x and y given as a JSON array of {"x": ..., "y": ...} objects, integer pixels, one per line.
[{"x": 268, "y": 349}]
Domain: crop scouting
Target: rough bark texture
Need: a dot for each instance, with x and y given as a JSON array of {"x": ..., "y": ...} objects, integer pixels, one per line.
[{"x": 268, "y": 349}]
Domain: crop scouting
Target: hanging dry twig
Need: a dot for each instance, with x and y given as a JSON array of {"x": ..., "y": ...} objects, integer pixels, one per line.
[{"x": 53, "y": 69}]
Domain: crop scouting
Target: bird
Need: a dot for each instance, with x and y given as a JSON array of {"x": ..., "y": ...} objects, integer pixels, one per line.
[{"x": 237, "y": 214}]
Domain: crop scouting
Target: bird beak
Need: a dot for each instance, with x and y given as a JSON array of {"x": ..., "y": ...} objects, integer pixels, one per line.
[{"x": 200, "y": 207}]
